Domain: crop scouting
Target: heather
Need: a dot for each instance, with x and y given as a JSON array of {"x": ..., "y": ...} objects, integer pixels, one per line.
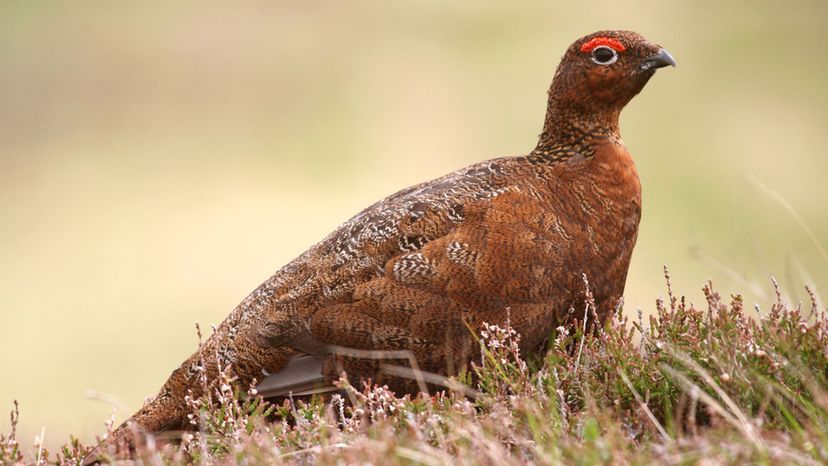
[{"x": 711, "y": 382}]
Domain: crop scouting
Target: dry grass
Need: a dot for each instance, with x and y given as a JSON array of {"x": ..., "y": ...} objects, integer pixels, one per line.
[{"x": 693, "y": 384}]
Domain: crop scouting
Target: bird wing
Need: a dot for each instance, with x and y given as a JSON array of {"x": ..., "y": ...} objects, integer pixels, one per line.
[
  {"x": 416, "y": 270},
  {"x": 505, "y": 253}
]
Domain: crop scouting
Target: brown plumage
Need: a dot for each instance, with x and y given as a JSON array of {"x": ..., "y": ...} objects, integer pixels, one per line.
[{"x": 510, "y": 236}]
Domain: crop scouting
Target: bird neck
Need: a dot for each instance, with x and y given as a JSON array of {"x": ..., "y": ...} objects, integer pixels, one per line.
[{"x": 572, "y": 129}]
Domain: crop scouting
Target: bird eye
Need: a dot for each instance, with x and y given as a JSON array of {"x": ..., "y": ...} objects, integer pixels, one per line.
[{"x": 604, "y": 55}]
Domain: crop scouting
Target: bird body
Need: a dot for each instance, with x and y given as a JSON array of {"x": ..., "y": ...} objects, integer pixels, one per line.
[{"x": 505, "y": 239}]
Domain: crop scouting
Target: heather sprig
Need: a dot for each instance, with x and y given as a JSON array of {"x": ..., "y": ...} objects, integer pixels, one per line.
[{"x": 716, "y": 382}]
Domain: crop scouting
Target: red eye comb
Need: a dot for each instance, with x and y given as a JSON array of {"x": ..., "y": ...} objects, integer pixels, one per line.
[{"x": 605, "y": 41}]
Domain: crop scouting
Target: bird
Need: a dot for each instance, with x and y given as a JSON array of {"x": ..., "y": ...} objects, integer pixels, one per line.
[{"x": 508, "y": 239}]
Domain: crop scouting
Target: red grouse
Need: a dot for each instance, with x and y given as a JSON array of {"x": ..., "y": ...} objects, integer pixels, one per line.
[{"x": 510, "y": 236}]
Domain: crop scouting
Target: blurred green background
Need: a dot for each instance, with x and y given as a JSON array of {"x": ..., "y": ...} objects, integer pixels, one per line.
[{"x": 159, "y": 160}]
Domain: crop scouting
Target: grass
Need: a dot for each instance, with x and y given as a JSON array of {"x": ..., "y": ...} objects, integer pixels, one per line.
[{"x": 711, "y": 384}]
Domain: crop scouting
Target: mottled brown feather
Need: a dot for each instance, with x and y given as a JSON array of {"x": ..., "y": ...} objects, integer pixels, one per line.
[{"x": 505, "y": 238}]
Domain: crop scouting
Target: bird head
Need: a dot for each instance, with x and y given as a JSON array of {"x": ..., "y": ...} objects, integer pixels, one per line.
[{"x": 606, "y": 69}]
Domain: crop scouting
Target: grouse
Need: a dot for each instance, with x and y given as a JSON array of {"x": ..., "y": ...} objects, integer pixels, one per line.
[{"x": 421, "y": 270}]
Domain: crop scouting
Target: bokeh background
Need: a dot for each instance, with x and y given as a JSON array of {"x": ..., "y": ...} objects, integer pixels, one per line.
[{"x": 160, "y": 159}]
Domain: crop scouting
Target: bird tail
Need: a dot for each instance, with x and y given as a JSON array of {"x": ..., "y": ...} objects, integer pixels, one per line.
[{"x": 167, "y": 411}]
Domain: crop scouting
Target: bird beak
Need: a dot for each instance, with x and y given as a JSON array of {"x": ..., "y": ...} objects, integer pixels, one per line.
[{"x": 659, "y": 60}]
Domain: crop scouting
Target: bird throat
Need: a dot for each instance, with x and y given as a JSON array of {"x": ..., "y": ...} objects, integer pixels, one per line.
[{"x": 573, "y": 133}]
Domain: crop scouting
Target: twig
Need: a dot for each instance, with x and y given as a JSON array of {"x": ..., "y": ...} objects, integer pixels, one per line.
[
  {"x": 432, "y": 378},
  {"x": 384, "y": 354},
  {"x": 644, "y": 406},
  {"x": 40, "y": 444},
  {"x": 587, "y": 300}
]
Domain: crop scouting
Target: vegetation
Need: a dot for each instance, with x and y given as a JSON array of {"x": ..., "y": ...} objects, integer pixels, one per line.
[{"x": 712, "y": 384}]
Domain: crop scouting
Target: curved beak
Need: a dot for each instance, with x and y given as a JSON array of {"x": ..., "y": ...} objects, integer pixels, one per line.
[{"x": 659, "y": 60}]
